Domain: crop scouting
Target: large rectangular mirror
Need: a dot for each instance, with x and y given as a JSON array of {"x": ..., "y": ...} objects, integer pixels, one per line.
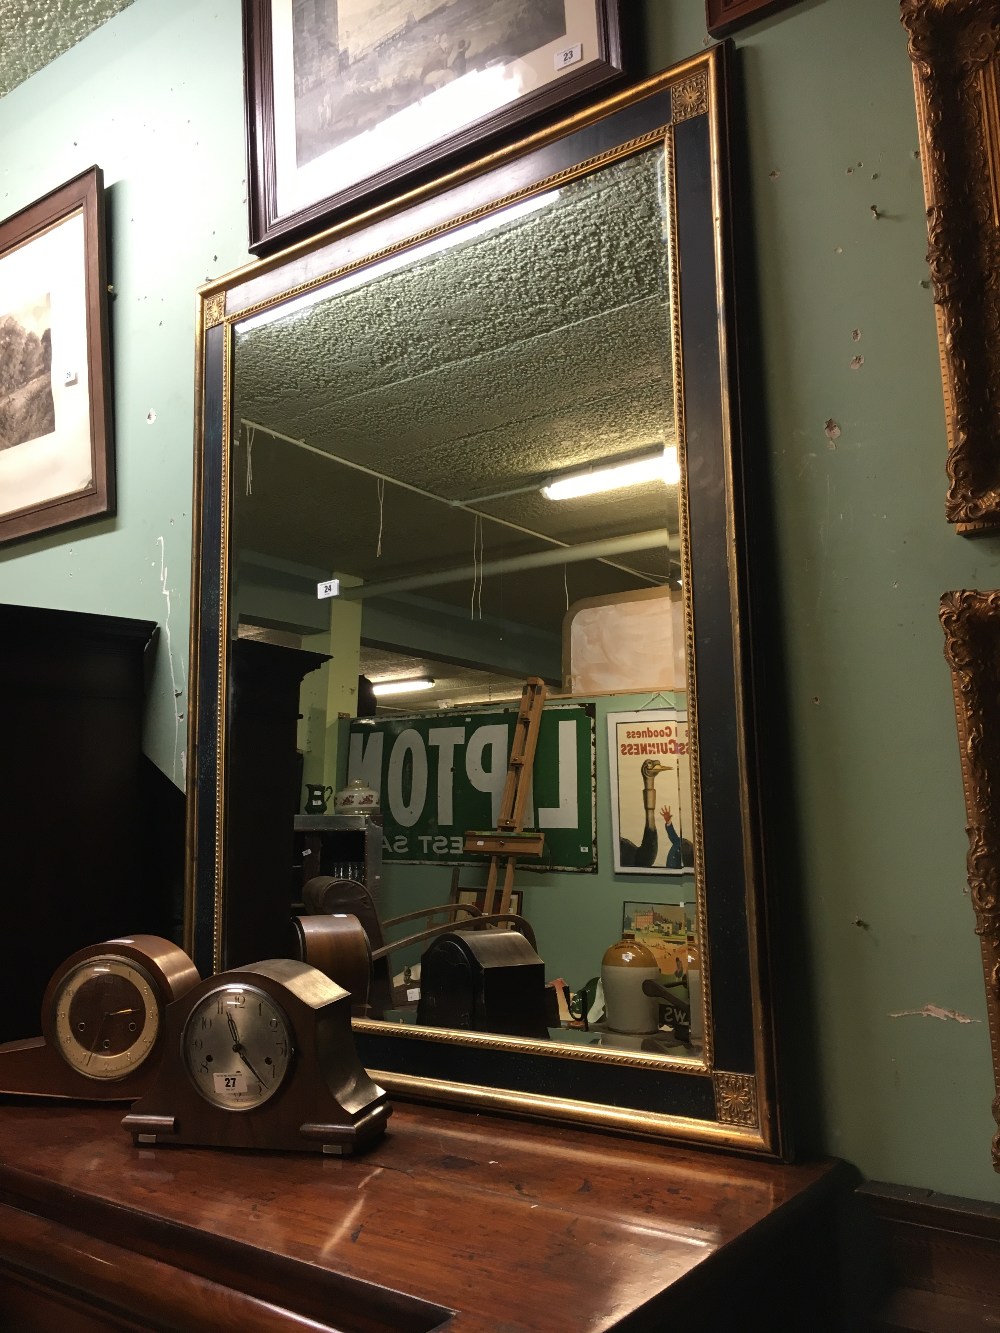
[{"x": 469, "y": 479}]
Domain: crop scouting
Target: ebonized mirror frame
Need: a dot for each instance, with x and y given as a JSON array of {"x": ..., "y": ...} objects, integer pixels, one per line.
[{"x": 729, "y": 1101}]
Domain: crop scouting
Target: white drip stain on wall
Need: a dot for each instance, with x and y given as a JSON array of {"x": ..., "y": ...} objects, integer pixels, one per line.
[
  {"x": 176, "y": 690},
  {"x": 935, "y": 1011}
]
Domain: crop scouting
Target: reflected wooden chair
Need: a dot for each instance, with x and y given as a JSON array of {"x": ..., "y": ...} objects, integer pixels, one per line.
[{"x": 328, "y": 895}]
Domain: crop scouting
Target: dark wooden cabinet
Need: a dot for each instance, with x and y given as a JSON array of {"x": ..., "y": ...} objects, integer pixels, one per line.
[
  {"x": 454, "y": 1221},
  {"x": 262, "y": 794},
  {"x": 72, "y": 823}
]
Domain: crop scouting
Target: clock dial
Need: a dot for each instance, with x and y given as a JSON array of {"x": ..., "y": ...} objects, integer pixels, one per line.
[
  {"x": 237, "y": 1046},
  {"x": 107, "y": 1016}
]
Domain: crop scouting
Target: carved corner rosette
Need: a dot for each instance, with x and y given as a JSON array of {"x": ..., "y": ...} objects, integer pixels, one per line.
[
  {"x": 689, "y": 98},
  {"x": 736, "y": 1099},
  {"x": 971, "y": 624},
  {"x": 215, "y": 309},
  {"x": 955, "y": 49}
]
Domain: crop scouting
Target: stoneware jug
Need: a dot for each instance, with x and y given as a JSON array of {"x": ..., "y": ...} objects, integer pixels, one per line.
[{"x": 624, "y": 968}]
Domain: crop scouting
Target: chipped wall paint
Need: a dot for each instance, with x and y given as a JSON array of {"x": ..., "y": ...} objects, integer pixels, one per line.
[
  {"x": 177, "y": 672},
  {"x": 935, "y": 1011}
]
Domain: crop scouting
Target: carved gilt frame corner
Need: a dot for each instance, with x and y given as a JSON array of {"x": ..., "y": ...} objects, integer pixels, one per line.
[
  {"x": 955, "y": 49},
  {"x": 971, "y": 624}
]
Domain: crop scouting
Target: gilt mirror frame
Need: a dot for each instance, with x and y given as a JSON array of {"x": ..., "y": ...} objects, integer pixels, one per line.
[
  {"x": 971, "y": 623},
  {"x": 955, "y": 49},
  {"x": 730, "y": 1099}
]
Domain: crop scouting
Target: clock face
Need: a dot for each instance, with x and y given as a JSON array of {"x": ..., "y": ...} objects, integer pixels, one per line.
[
  {"x": 237, "y": 1046},
  {"x": 107, "y": 1016}
]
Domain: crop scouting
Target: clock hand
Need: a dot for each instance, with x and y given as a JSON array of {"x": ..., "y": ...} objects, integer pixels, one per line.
[
  {"x": 235, "y": 1032},
  {"x": 108, "y": 1013},
  {"x": 97, "y": 1037},
  {"x": 242, "y": 1053}
]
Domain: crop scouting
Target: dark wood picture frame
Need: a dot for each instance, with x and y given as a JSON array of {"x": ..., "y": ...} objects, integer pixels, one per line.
[
  {"x": 725, "y": 16},
  {"x": 272, "y": 221},
  {"x": 68, "y": 302},
  {"x": 955, "y": 49},
  {"x": 971, "y": 624}
]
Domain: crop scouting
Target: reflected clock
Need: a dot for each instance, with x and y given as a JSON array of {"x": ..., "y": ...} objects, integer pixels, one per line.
[{"x": 102, "y": 1022}]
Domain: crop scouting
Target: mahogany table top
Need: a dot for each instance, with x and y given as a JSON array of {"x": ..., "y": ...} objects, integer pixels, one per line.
[{"x": 456, "y": 1220}]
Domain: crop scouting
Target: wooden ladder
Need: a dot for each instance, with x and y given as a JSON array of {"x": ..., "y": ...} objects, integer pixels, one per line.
[{"x": 509, "y": 841}]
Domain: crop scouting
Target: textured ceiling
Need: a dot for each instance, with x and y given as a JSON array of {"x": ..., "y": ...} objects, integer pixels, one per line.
[
  {"x": 540, "y": 346},
  {"x": 35, "y": 32}
]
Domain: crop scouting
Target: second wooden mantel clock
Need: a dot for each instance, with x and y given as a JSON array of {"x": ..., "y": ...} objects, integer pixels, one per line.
[
  {"x": 102, "y": 1022},
  {"x": 262, "y": 1057}
]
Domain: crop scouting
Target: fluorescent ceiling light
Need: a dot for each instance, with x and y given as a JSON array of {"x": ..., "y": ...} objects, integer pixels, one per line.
[
  {"x": 414, "y": 685},
  {"x": 661, "y": 466}
]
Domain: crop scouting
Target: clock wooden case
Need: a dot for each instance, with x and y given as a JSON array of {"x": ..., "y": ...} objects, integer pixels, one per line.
[
  {"x": 102, "y": 1022},
  {"x": 262, "y": 1057}
]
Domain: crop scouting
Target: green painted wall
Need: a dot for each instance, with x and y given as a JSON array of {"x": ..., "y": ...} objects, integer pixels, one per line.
[
  {"x": 155, "y": 98},
  {"x": 866, "y": 815}
]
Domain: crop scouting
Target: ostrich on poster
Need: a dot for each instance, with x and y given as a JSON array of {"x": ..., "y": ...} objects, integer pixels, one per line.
[{"x": 650, "y": 777}]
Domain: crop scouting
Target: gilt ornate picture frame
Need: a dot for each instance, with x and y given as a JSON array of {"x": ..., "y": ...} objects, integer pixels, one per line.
[
  {"x": 955, "y": 49},
  {"x": 971, "y": 623},
  {"x": 56, "y": 454}
]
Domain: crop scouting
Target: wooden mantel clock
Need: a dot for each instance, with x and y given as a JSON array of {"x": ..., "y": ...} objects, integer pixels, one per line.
[
  {"x": 262, "y": 1057},
  {"x": 102, "y": 1022}
]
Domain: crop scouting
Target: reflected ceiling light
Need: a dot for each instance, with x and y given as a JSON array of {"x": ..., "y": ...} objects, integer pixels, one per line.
[
  {"x": 412, "y": 685},
  {"x": 660, "y": 466}
]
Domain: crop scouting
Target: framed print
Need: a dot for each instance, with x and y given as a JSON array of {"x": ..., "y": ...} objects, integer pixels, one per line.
[
  {"x": 955, "y": 50},
  {"x": 347, "y": 96},
  {"x": 477, "y": 898},
  {"x": 971, "y": 622},
  {"x": 664, "y": 929},
  {"x": 725, "y": 16},
  {"x": 56, "y": 454},
  {"x": 650, "y": 776}
]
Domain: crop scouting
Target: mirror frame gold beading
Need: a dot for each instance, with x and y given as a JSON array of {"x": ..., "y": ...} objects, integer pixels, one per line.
[{"x": 730, "y": 1100}]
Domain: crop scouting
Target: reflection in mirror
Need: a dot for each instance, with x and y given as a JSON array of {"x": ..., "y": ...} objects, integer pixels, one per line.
[{"x": 456, "y": 470}]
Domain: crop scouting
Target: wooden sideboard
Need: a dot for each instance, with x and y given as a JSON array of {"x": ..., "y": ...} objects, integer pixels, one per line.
[
  {"x": 457, "y": 1221},
  {"x": 74, "y": 837}
]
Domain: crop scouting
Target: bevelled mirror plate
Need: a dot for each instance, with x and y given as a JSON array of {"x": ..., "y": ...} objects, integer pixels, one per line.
[{"x": 401, "y": 428}]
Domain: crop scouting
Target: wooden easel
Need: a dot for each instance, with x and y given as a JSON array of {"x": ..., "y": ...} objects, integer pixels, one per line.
[{"x": 509, "y": 841}]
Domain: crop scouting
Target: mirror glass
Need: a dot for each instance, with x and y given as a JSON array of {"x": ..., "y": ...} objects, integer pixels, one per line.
[
  {"x": 472, "y": 628},
  {"x": 408, "y": 431}
]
